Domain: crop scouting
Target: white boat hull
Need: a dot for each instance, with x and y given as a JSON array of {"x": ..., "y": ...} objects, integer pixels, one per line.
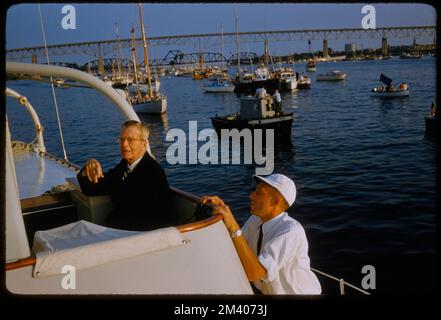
[
  {"x": 393, "y": 94},
  {"x": 154, "y": 106},
  {"x": 331, "y": 77},
  {"x": 218, "y": 89},
  {"x": 290, "y": 84}
]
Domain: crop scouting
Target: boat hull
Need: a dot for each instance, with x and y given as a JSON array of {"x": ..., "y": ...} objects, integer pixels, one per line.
[
  {"x": 218, "y": 89},
  {"x": 331, "y": 77},
  {"x": 393, "y": 94},
  {"x": 250, "y": 87},
  {"x": 154, "y": 106},
  {"x": 281, "y": 125}
]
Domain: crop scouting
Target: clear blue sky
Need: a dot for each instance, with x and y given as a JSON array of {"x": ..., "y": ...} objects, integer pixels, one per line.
[{"x": 97, "y": 21}]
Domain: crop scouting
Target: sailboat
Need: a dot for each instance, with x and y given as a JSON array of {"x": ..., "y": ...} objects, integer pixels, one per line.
[
  {"x": 220, "y": 83},
  {"x": 150, "y": 102},
  {"x": 261, "y": 78},
  {"x": 310, "y": 66}
]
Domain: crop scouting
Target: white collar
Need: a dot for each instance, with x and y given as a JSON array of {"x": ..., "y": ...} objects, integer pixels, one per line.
[
  {"x": 272, "y": 223},
  {"x": 134, "y": 164}
]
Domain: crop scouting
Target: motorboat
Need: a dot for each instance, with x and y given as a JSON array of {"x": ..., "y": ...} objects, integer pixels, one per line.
[
  {"x": 257, "y": 113},
  {"x": 393, "y": 92},
  {"x": 303, "y": 81},
  {"x": 332, "y": 76},
  {"x": 389, "y": 91},
  {"x": 288, "y": 79},
  {"x": 218, "y": 85},
  {"x": 55, "y": 243},
  {"x": 311, "y": 66},
  {"x": 410, "y": 55},
  {"x": 262, "y": 77}
]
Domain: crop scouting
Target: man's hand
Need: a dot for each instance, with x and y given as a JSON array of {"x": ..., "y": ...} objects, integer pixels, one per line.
[
  {"x": 219, "y": 207},
  {"x": 92, "y": 170}
]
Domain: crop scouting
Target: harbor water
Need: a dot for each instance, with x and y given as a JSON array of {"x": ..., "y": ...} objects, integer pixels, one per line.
[{"x": 365, "y": 171}]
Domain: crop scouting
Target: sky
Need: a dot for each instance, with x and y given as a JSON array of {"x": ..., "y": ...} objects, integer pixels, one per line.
[{"x": 97, "y": 22}]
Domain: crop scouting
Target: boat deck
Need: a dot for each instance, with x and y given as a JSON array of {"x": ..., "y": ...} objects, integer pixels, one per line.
[{"x": 37, "y": 174}]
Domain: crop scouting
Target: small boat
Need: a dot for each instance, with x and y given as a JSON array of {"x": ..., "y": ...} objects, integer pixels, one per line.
[
  {"x": 257, "y": 113},
  {"x": 410, "y": 55},
  {"x": 394, "y": 93},
  {"x": 287, "y": 78},
  {"x": 58, "y": 82},
  {"x": 388, "y": 91},
  {"x": 310, "y": 66},
  {"x": 218, "y": 85},
  {"x": 303, "y": 81},
  {"x": 332, "y": 76}
]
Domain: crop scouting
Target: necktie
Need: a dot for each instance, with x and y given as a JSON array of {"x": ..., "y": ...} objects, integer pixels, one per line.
[
  {"x": 125, "y": 174},
  {"x": 259, "y": 240}
]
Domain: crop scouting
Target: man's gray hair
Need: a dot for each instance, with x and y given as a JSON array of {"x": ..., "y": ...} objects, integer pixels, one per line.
[{"x": 141, "y": 126}]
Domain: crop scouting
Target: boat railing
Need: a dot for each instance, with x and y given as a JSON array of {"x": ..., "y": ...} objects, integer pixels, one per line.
[
  {"x": 341, "y": 282},
  {"x": 37, "y": 124}
]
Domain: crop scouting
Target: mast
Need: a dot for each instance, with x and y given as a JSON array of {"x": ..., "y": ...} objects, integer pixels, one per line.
[
  {"x": 237, "y": 43},
  {"x": 222, "y": 45},
  {"x": 135, "y": 56},
  {"x": 146, "y": 57},
  {"x": 120, "y": 74}
]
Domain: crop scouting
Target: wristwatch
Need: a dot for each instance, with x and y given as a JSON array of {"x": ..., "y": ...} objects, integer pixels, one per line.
[{"x": 236, "y": 233}]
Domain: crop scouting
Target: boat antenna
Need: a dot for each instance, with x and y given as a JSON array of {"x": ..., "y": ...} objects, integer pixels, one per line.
[
  {"x": 52, "y": 85},
  {"x": 237, "y": 43},
  {"x": 146, "y": 57}
]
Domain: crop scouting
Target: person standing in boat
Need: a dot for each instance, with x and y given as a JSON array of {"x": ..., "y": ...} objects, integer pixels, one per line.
[
  {"x": 271, "y": 245},
  {"x": 278, "y": 102},
  {"x": 137, "y": 186},
  {"x": 261, "y": 93}
]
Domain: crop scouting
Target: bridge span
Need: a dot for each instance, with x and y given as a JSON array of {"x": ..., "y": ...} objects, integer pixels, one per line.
[{"x": 100, "y": 49}]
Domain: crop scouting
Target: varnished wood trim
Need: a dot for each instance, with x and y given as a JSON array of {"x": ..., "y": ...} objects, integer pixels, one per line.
[
  {"x": 29, "y": 261},
  {"x": 200, "y": 224}
]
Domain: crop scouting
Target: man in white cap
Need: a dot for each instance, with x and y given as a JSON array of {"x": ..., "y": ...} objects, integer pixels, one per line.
[{"x": 271, "y": 245}]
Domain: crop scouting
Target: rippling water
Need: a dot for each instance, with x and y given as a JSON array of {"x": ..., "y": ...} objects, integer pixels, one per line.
[{"x": 364, "y": 170}]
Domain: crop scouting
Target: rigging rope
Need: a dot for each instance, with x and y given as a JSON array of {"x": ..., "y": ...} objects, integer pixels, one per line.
[{"x": 52, "y": 84}]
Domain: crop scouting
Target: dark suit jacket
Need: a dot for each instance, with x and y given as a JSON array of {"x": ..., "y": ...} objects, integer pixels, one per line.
[{"x": 142, "y": 200}]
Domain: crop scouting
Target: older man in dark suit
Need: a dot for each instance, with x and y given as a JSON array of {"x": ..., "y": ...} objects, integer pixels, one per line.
[{"x": 137, "y": 186}]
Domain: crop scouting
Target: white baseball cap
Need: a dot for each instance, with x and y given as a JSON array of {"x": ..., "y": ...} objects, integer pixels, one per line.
[{"x": 282, "y": 183}]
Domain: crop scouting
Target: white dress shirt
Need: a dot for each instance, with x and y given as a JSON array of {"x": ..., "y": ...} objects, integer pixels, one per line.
[
  {"x": 284, "y": 255},
  {"x": 134, "y": 164}
]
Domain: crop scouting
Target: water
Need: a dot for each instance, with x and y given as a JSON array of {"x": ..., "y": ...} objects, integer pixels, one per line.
[{"x": 364, "y": 171}]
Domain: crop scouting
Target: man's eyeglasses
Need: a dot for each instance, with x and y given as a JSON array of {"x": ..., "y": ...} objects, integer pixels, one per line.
[{"x": 129, "y": 140}]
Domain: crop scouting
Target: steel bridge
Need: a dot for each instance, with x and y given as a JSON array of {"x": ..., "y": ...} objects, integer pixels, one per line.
[{"x": 100, "y": 49}]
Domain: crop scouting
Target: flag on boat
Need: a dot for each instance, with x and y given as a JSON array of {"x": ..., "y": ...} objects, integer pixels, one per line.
[
  {"x": 387, "y": 81},
  {"x": 133, "y": 30}
]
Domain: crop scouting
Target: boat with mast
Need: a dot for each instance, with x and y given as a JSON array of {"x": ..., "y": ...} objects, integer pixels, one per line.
[
  {"x": 221, "y": 82},
  {"x": 260, "y": 78},
  {"x": 150, "y": 102}
]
